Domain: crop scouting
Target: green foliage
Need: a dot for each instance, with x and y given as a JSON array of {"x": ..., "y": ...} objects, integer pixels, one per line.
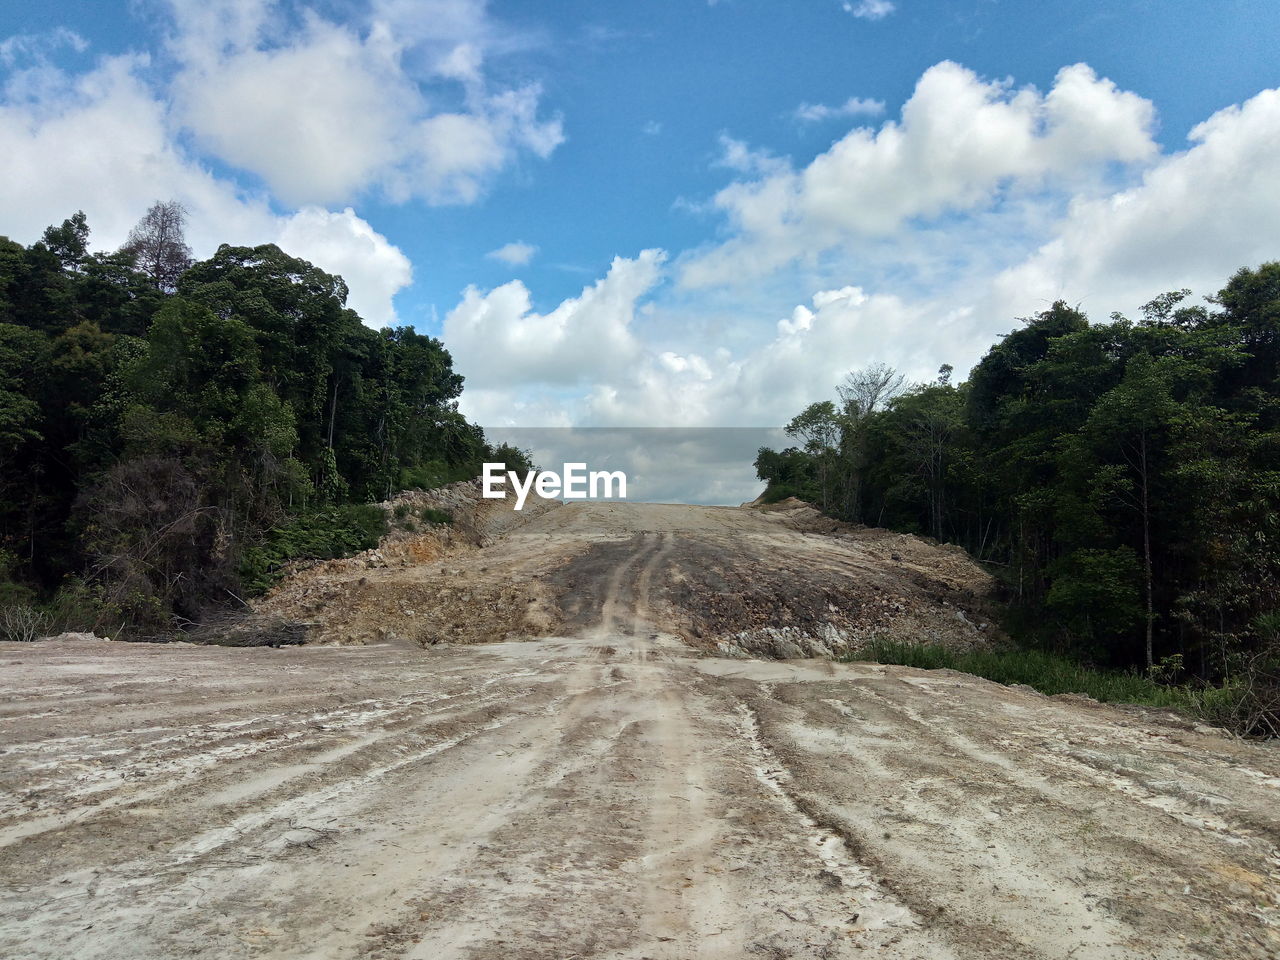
[
  {"x": 432, "y": 515},
  {"x": 318, "y": 535},
  {"x": 1047, "y": 672},
  {"x": 12, "y": 593},
  {"x": 163, "y": 424},
  {"x": 1122, "y": 478},
  {"x": 1248, "y": 703},
  {"x": 1095, "y": 593},
  {"x": 790, "y": 473}
]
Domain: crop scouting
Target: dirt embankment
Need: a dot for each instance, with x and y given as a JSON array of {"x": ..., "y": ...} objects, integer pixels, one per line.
[
  {"x": 780, "y": 582},
  {"x": 423, "y": 583},
  {"x": 614, "y": 794}
]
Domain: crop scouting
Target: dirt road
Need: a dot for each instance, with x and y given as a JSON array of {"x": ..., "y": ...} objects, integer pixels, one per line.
[{"x": 614, "y": 793}]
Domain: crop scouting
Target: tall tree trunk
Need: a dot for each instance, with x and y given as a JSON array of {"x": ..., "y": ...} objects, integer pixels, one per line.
[
  {"x": 333, "y": 408},
  {"x": 1146, "y": 546}
]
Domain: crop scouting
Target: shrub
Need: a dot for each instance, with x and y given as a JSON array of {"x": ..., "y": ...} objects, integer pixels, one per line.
[
  {"x": 22, "y": 623},
  {"x": 1049, "y": 673},
  {"x": 1248, "y": 703},
  {"x": 432, "y": 515},
  {"x": 319, "y": 535}
]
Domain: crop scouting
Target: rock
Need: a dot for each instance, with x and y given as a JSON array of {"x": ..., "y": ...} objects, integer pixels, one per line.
[
  {"x": 75, "y": 636},
  {"x": 785, "y": 649},
  {"x": 1209, "y": 731}
]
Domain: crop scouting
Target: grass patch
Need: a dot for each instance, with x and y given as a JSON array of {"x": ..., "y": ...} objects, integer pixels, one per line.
[
  {"x": 1049, "y": 673},
  {"x": 1247, "y": 704},
  {"x": 432, "y": 515},
  {"x": 320, "y": 535}
]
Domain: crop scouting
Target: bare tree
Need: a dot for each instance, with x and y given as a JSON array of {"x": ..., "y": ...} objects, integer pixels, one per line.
[
  {"x": 861, "y": 394},
  {"x": 159, "y": 246},
  {"x": 22, "y": 622},
  {"x": 865, "y": 391}
]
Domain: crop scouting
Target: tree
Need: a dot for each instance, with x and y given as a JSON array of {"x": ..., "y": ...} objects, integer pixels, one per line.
[
  {"x": 149, "y": 442},
  {"x": 818, "y": 427},
  {"x": 70, "y": 241},
  {"x": 158, "y": 244},
  {"x": 862, "y": 394},
  {"x": 1123, "y": 477},
  {"x": 927, "y": 419},
  {"x": 302, "y": 329}
]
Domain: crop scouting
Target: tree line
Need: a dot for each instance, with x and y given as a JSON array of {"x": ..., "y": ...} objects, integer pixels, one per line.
[
  {"x": 1121, "y": 478},
  {"x": 162, "y": 419}
]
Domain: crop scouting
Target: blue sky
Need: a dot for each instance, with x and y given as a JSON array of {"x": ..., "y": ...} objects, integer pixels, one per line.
[{"x": 755, "y": 196}]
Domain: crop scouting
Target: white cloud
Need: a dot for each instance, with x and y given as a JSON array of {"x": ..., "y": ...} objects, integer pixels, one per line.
[
  {"x": 325, "y": 112},
  {"x": 737, "y": 155},
  {"x": 99, "y": 141},
  {"x": 853, "y": 107},
  {"x": 869, "y": 9},
  {"x": 1194, "y": 219},
  {"x": 321, "y": 111},
  {"x": 515, "y": 254},
  {"x": 317, "y": 120},
  {"x": 37, "y": 46},
  {"x": 1191, "y": 219},
  {"x": 374, "y": 269},
  {"x": 498, "y": 341},
  {"x": 586, "y": 363},
  {"x": 961, "y": 144},
  {"x": 453, "y": 156}
]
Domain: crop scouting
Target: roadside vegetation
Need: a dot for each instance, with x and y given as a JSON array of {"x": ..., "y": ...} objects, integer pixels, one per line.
[
  {"x": 1237, "y": 704},
  {"x": 1121, "y": 479},
  {"x": 173, "y": 432}
]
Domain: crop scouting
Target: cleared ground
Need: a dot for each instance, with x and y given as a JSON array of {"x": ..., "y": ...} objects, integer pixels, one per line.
[{"x": 611, "y": 793}]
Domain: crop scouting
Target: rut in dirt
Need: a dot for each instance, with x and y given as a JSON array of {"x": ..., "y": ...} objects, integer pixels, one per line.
[{"x": 612, "y": 789}]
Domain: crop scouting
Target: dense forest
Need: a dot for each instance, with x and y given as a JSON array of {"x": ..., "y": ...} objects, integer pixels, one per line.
[
  {"x": 168, "y": 428},
  {"x": 1121, "y": 478}
]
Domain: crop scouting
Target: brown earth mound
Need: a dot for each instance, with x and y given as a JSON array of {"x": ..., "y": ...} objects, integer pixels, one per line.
[{"x": 404, "y": 590}]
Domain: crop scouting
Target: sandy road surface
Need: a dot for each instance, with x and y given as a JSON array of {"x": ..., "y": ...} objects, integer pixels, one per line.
[{"x": 613, "y": 794}]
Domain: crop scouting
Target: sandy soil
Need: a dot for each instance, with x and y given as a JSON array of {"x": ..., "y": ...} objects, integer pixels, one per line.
[
  {"x": 610, "y": 793},
  {"x": 778, "y": 582}
]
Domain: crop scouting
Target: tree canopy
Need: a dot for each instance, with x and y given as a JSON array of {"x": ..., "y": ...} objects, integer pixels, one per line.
[
  {"x": 159, "y": 418},
  {"x": 1123, "y": 478}
]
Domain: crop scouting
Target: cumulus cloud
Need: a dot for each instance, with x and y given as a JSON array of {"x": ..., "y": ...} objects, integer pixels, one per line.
[
  {"x": 739, "y": 156},
  {"x": 515, "y": 254},
  {"x": 317, "y": 120},
  {"x": 853, "y": 107},
  {"x": 453, "y": 156},
  {"x": 498, "y": 340},
  {"x": 99, "y": 141},
  {"x": 586, "y": 363},
  {"x": 1189, "y": 218},
  {"x": 27, "y": 47},
  {"x": 324, "y": 112},
  {"x": 962, "y": 142},
  {"x": 321, "y": 111},
  {"x": 869, "y": 9},
  {"x": 374, "y": 269},
  {"x": 1196, "y": 216}
]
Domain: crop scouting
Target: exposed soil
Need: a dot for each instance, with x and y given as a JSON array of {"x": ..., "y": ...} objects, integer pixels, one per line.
[
  {"x": 781, "y": 581},
  {"x": 611, "y": 790}
]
